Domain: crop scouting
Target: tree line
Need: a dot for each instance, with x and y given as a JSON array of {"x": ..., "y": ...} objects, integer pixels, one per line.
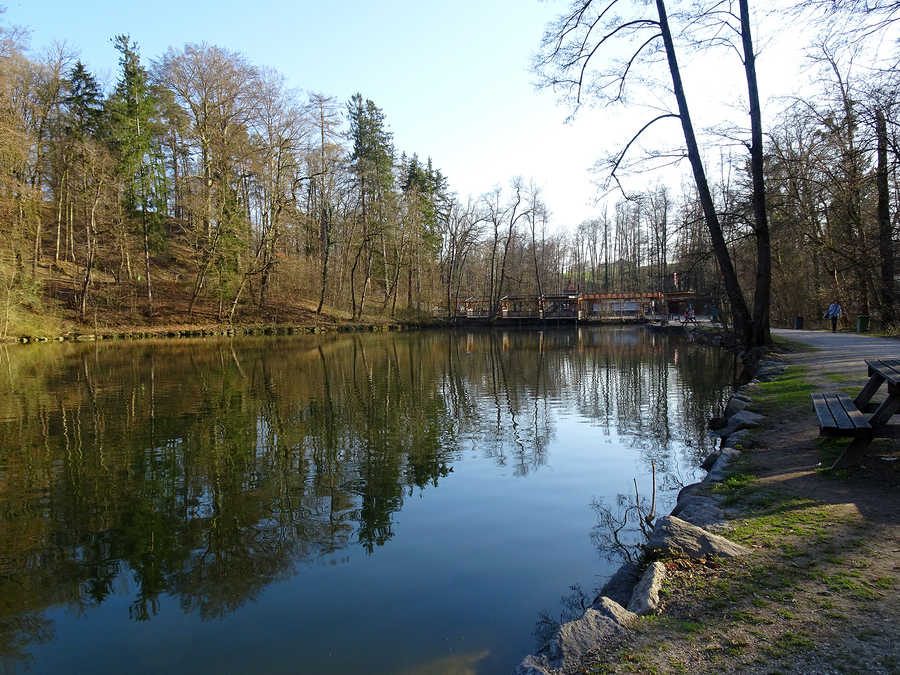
[
  {"x": 202, "y": 188},
  {"x": 807, "y": 206}
]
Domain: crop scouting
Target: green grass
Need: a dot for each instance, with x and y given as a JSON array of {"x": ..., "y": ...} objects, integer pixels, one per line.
[
  {"x": 789, "y": 391},
  {"x": 848, "y": 582},
  {"x": 777, "y": 515},
  {"x": 735, "y": 487},
  {"x": 752, "y": 619},
  {"x": 794, "y": 642},
  {"x": 829, "y": 450},
  {"x": 788, "y": 345},
  {"x": 680, "y": 625}
]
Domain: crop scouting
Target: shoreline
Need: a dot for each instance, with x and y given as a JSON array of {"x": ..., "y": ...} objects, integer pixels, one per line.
[
  {"x": 812, "y": 586},
  {"x": 181, "y": 331},
  {"x": 325, "y": 326},
  {"x": 691, "y": 528}
]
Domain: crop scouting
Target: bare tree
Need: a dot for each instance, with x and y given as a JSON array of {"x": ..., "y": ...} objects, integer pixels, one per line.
[{"x": 569, "y": 62}]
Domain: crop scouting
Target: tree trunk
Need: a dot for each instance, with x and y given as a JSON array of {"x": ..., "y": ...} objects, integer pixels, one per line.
[
  {"x": 368, "y": 279},
  {"x": 326, "y": 245},
  {"x": 743, "y": 324},
  {"x": 885, "y": 239},
  {"x": 324, "y": 237},
  {"x": 146, "y": 231},
  {"x": 762, "y": 297},
  {"x": 59, "y": 213},
  {"x": 90, "y": 233}
]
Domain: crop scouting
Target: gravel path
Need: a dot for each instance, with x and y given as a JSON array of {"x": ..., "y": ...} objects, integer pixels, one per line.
[{"x": 839, "y": 352}]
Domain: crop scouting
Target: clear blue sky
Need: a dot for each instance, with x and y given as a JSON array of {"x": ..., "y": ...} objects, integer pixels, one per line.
[{"x": 452, "y": 77}]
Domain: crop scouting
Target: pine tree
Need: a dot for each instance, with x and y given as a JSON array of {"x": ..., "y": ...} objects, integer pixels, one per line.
[
  {"x": 372, "y": 160},
  {"x": 132, "y": 109}
]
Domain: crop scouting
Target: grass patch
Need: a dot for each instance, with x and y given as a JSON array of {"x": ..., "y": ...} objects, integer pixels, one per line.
[
  {"x": 829, "y": 450},
  {"x": 784, "y": 344},
  {"x": 848, "y": 583},
  {"x": 735, "y": 487},
  {"x": 752, "y": 619},
  {"x": 780, "y": 517},
  {"x": 687, "y": 626},
  {"x": 789, "y": 391},
  {"x": 791, "y": 641}
]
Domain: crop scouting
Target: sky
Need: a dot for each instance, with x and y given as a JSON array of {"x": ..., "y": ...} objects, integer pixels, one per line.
[{"x": 453, "y": 78}]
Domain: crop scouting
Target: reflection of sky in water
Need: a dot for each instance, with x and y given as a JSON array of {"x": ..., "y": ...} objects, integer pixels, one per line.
[{"x": 379, "y": 503}]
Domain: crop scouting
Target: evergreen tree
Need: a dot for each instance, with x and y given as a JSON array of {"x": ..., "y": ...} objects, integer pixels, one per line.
[
  {"x": 372, "y": 160},
  {"x": 84, "y": 104},
  {"x": 132, "y": 109}
]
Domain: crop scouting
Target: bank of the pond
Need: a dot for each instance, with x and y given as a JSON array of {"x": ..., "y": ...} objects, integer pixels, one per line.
[
  {"x": 219, "y": 330},
  {"x": 769, "y": 564}
]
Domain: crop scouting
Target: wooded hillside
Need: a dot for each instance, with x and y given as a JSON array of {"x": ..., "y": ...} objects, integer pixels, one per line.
[{"x": 201, "y": 189}]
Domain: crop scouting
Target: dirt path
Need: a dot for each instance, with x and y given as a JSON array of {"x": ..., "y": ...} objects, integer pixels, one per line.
[{"x": 820, "y": 592}]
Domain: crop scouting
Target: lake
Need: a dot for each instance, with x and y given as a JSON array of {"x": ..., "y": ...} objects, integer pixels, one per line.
[{"x": 383, "y": 503}]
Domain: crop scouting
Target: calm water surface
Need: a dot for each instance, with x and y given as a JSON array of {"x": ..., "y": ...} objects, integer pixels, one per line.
[{"x": 409, "y": 503}]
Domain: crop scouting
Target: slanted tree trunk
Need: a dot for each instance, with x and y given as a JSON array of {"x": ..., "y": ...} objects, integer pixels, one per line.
[{"x": 743, "y": 323}]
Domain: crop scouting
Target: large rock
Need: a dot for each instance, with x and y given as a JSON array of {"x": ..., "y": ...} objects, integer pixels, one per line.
[
  {"x": 716, "y": 423},
  {"x": 721, "y": 468},
  {"x": 621, "y": 584},
  {"x": 673, "y": 535},
  {"x": 710, "y": 459},
  {"x": 534, "y": 665},
  {"x": 604, "y": 621},
  {"x": 769, "y": 370},
  {"x": 615, "y": 611},
  {"x": 741, "y": 420},
  {"x": 741, "y": 438},
  {"x": 702, "y": 511},
  {"x": 691, "y": 490},
  {"x": 735, "y": 405},
  {"x": 645, "y": 599}
]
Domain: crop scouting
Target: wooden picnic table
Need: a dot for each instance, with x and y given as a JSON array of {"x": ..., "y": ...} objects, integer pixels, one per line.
[
  {"x": 839, "y": 416},
  {"x": 881, "y": 371}
]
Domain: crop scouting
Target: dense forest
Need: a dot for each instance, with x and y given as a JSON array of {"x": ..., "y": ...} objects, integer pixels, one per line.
[{"x": 199, "y": 188}]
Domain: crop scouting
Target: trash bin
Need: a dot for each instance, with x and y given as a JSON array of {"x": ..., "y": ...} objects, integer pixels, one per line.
[
  {"x": 798, "y": 323},
  {"x": 862, "y": 323}
]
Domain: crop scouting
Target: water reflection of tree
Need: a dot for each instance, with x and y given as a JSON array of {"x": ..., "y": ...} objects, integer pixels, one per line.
[{"x": 208, "y": 470}]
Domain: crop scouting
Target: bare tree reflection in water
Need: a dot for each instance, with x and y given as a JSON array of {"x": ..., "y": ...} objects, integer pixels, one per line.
[
  {"x": 619, "y": 535},
  {"x": 17, "y": 633},
  {"x": 572, "y": 605},
  {"x": 206, "y": 471}
]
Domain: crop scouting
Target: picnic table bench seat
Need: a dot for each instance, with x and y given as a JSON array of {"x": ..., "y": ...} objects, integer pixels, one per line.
[{"x": 839, "y": 416}]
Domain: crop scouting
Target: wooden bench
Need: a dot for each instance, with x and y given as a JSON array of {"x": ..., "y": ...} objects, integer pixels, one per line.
[{"x": 839, "y": 416}]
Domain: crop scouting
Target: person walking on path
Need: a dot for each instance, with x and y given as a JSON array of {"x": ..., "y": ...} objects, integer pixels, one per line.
[{"x": 834, "y": 313}]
